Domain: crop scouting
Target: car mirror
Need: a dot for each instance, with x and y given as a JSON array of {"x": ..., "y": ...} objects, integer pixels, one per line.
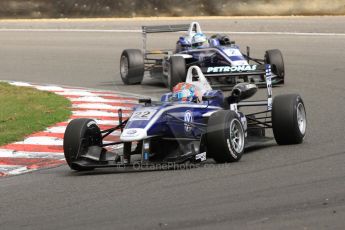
[{"x": 147, "y": 101}]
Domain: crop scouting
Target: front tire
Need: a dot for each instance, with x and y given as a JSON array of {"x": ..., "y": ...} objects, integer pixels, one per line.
[
  {"x": 177, "y": 71},
  {"x": 289, "y": 119},
  {"x": 132, "y": 66},
  {"x": 80, "y": 134},
  {"x": 275, "y": 59},
  {"x": 225, "y": 137}
]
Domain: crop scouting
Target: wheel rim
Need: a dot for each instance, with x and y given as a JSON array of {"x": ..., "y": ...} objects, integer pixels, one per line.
[
  {"x": 92, "y": 136},
  {"x": 236, "y": 136},
  {"x": 124, "y": 66},
  {"x": 301, "y": 118}
]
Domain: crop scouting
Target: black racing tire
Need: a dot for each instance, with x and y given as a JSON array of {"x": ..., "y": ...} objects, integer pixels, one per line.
[
  {"x": 275, "y": 58},
  {"x": 289, "y": 121},
  {"x": 80, "y": 134},
  {"x": 222, "y": 136},
  {"x": 132, "y": 66},
  {"x": 177, "y": 71}
]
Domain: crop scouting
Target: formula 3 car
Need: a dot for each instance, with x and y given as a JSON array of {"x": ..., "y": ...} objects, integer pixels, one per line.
[
  {"x": 221, "y": 61},
  {"x": 208, "y": 125}
]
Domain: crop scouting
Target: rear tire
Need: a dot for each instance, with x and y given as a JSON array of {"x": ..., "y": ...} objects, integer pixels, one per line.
[
  {"x": 275, "y": 59},
  {"x": 177, "y": 71},
  {"x": 225, "y": 137},
  {"x": 80, "y": 134},
  {"x": 289, "y": 119},
  {"x": 132, "y": 66}
]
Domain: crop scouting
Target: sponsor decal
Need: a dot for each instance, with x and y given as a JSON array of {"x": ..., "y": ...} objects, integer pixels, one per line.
[
  {"x": 269, "y": 103},
  {"x": 201, "y": 156},
  {"x": 188, "y": 118},
  {"x": 244, "y": 121},
  {"x": 230, "y": 69},
  {"x": 233, "y": 107},
  {"x": 269, "y": 86},
  {"x": 131, "y": 131}
]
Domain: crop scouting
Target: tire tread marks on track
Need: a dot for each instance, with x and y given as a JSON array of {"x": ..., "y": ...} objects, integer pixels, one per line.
[{"x": 44, "y": 149}]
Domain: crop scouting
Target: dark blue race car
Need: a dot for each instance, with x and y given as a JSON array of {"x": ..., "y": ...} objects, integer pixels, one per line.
[
  {"x": 191, "y": 124},
  {"x": 219, "y": 58}
]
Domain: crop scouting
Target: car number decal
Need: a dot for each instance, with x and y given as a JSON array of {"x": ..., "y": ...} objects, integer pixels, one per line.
[
  {"x": 145, "y": 114},
  {"x": 232, "y": 52}
]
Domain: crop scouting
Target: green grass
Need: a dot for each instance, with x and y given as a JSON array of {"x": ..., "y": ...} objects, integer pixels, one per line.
[{"x": 24, "y": 110}]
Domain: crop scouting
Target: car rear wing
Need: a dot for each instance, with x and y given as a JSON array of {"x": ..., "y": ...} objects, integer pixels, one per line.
[
  {"x": 245, "y": 70},
  {"x": 165, "y": 28},
  {"x": 191, "y": 28},
  {"x": 251, "y": 70}
]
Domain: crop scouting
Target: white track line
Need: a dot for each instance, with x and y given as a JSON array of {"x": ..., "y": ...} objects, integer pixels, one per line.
[
  {"x": 50, "y": 88},
  {"x": 276, "y": 33},
  {"x": 76, "y": 93},
  {"x": 101, "y": 99},
  {"x": 41, "y": 141},
  {"x": 14, "y": 169},
  {"x": 56, "y": 129},
  {"x": 87, "y": 93},
  {"x": 98, "y": 121},
  {"x": 99, "y": 106},
  {"x": 139, "y": 31},
  {"x": 61, "y": 129},
  {"x": 19, "y": 83},
  {"x": 97, "y": 113},
  {"x": 107, "y": 122},
  {"x": 23, "y": 154}
]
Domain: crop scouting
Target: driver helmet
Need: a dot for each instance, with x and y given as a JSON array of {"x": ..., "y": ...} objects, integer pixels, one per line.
[
  {"x": 184, "y": 92},
  {"x": 199, "y": 40}
]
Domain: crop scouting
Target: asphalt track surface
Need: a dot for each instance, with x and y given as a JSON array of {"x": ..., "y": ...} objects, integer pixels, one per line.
[{"x": 275, "y": 187}]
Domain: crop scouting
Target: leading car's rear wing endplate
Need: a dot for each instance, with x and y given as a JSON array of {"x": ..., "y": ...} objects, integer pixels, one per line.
[
  {"x": 269, "y": 101},
  {"x": 192, "y": 28}
]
